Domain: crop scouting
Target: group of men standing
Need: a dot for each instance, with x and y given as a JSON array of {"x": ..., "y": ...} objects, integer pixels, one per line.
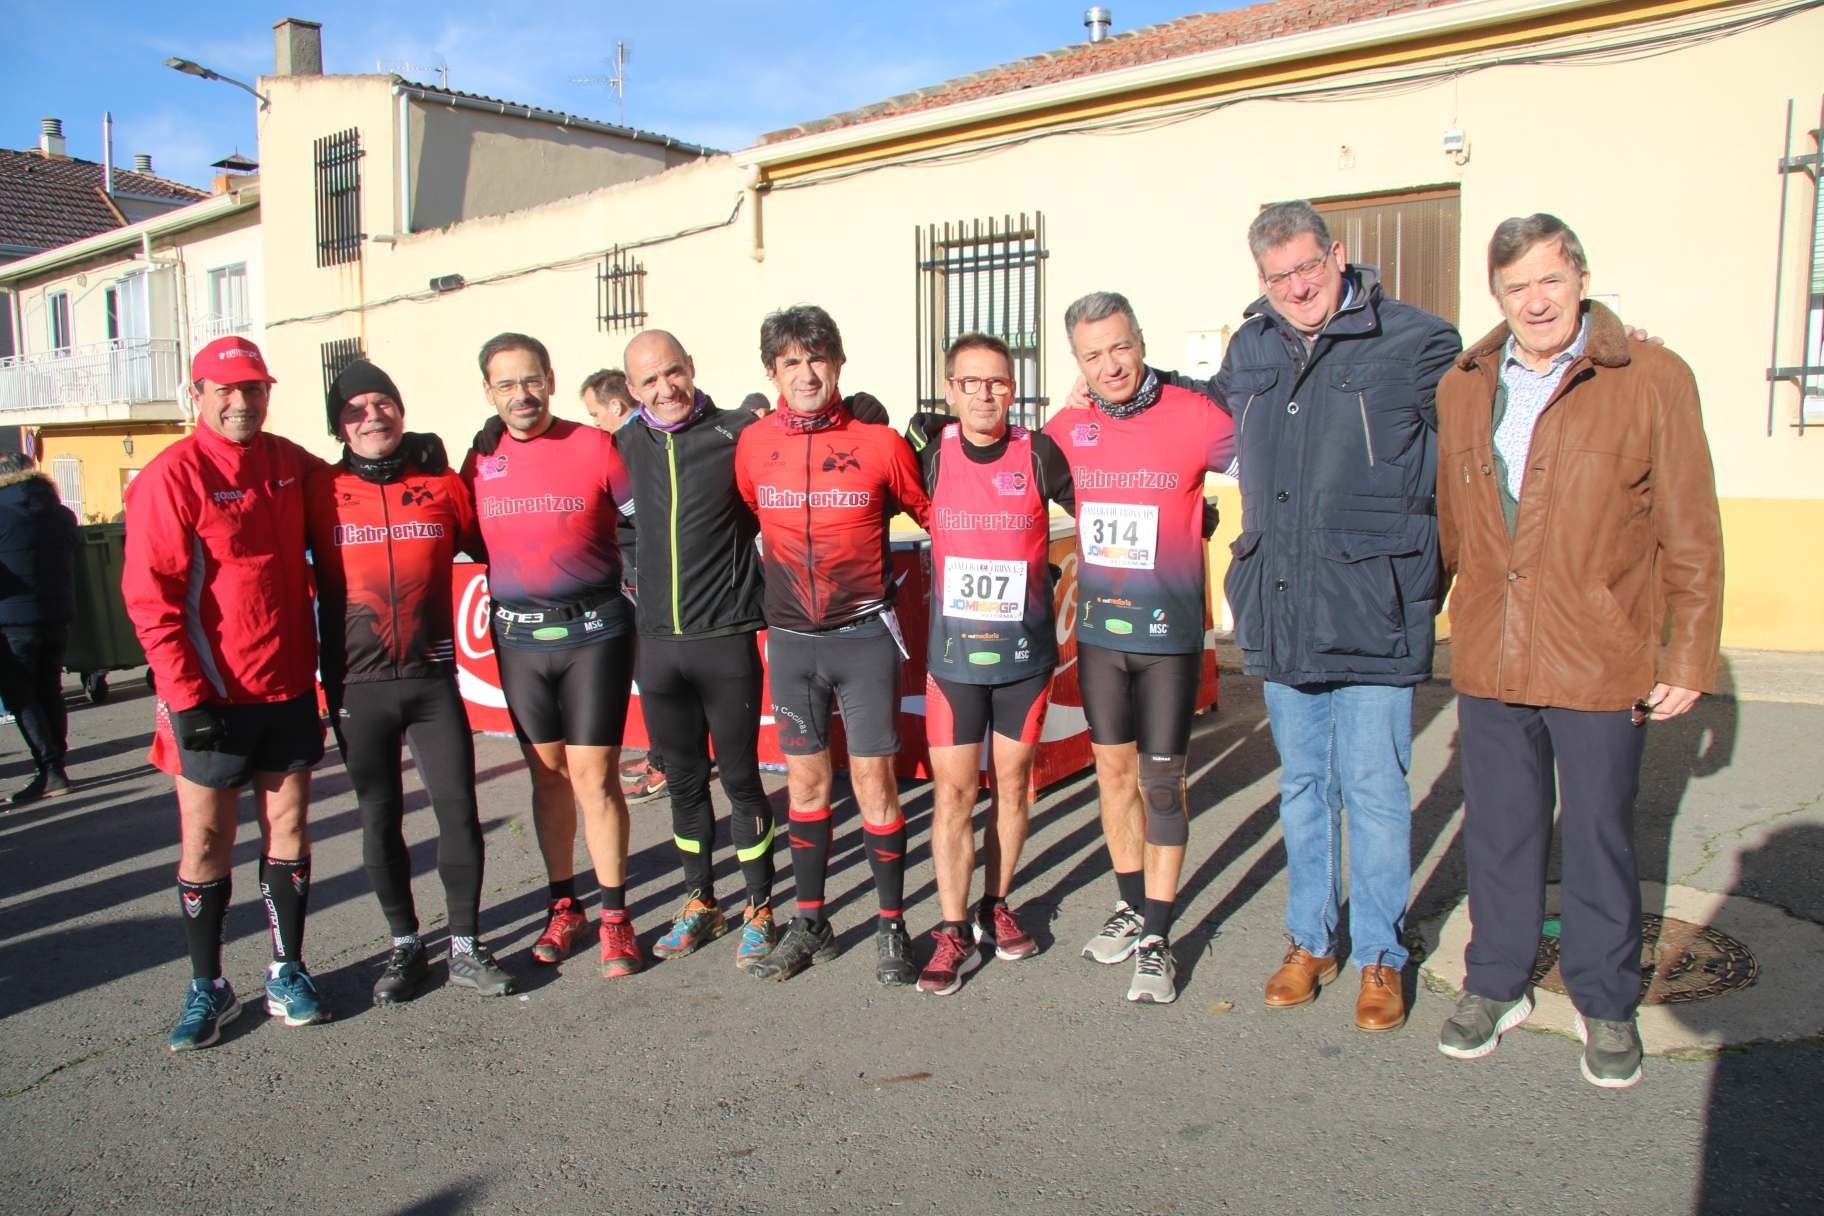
[{"x": 1557, "y": 471}]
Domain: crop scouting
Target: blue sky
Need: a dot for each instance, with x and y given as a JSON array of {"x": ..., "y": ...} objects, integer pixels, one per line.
[{"x": 716, "y": 72}]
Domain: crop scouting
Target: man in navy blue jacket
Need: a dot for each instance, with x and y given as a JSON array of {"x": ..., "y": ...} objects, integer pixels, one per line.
[{"x": 38, "y": 540}]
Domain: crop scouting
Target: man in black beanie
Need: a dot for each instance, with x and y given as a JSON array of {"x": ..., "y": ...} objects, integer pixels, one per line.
[{"x": 386, "y": 522}]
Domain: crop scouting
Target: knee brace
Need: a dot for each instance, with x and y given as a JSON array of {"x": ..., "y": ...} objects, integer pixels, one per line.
[{"x": 1162, "y": 793}]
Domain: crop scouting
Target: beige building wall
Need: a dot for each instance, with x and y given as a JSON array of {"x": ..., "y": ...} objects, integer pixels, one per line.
[{"x": 1637, "y": 156}]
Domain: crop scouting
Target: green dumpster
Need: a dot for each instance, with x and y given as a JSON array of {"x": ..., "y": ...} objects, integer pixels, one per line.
[{"x": 101, "y": 636}]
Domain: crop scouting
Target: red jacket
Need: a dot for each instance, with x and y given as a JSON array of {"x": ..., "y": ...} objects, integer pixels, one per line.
[
  {"x": 215, "y": 579},
  {"x": 823, "y": 499},
  {"x": 383, "y": 556}
]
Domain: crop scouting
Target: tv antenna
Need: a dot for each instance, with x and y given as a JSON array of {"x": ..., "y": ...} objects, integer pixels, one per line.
[
  {"x": 406, "y": 67},
  {"x": 616, "y": 82}
]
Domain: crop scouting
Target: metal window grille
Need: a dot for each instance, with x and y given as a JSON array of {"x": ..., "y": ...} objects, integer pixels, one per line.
[
  {"x": 66, "y": 473},
  {"x": 1413, "y": 238},
  {"x": 1808, "y": 373},
  {"x": 336, "y": 356},
  {"x": 620, "y": 292},
  {"x": 986, "y": 276},
  {"x": 339, "y": 234}
]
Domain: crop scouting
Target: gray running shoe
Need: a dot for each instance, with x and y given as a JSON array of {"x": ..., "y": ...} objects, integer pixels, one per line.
[
  {"x": 477, "y": 969},
  {"x": 1120, "y": 934},
  {"x": 1611, "y": 1052},
  {"x": 1154, "y": 971},
  {"x": 1475, "y": 1029},
  {"x": 801, "y": 946}
]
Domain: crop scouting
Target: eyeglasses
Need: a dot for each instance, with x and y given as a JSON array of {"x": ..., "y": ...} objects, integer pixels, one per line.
[
  {"x": 997, "y": 386},
  {"x": 531, "y": 384},
  {"x": 1310, "y": 270}
]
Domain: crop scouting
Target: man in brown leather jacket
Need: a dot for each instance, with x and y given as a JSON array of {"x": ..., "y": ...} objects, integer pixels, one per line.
[{"x": 1577, "y": 513}]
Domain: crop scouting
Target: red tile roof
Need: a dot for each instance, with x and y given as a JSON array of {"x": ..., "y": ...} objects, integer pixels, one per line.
[
  {"x": 48, "y": 203},
  {"x": 1149, "y": 44}
]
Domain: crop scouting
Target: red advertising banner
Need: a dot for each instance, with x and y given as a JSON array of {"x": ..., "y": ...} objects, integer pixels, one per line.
[{"x": 1063, "y": 747}]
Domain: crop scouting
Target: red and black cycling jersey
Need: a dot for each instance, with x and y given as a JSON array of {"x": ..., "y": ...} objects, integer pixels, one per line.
[
  {"x": 823, "y": 497},
  {"x": 383, "y": 554}
]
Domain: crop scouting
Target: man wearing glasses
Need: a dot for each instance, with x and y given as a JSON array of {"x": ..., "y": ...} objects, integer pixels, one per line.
[
  {"x": 1577, "y": 511},
  {"x": 545, "y": 491},
  {"x": 1334, "y": 582},
  {"x": 992, "y": 646}
]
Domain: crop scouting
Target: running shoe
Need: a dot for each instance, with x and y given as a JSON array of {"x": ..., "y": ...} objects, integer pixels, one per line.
[
  {"x": 1119, "y": 935},
  {"x": 206, "y": 1010},
  {"x": 699, "y": 922},
  {"x": 801, "y": 946},
  {"x": 951, "y": 960},
  {"x": 1475, "y": 1029},
  {"x": 477, "y": 969},
  {"x": 640, "y": 782},
  {"x": 1611, "y": 1052},
  {"x": 564, "y": 925},
  {"x": 291, "y": 994},
  {"x": 1154, "y": 971},
  {"x": 758, "y": 937},
  {"x": 620, "y": 948},
  {"x": 894, "y": 966},
  {"x": 1000, "y": 930},
  {"x": 405, "y": 973}
]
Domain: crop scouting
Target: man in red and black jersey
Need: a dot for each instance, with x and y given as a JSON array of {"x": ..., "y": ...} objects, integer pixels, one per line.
[
  {"x": 824, "y": 487},
  {"x": 545, "y": 491},
  {"x": 383, "y": 534},
  {"x": 993, "y": 642}
]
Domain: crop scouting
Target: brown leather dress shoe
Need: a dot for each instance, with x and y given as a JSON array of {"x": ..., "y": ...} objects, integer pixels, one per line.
[
  {"x": 1298, "y": 978},
  {"x": 1381, "y": 1005}
]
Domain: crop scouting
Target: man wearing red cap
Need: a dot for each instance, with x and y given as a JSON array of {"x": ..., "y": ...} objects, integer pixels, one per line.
[{"x": 219, "y": 593}]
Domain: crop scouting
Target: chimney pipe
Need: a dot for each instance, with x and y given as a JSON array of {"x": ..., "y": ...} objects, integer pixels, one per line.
[
  {"x": 51, "y": 142},
  {"x": 142, "y": 163},
  {"x": 298, "y": 47},
  {"x": 107, "y": 151},
  {"x": 1098, "y": 20}
]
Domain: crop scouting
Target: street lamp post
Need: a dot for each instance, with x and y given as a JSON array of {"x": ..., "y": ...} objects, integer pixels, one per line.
[{"x": 196, "y": 69}]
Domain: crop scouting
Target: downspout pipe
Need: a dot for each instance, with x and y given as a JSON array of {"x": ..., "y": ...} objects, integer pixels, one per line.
[
  {"x": 403, "y": 96},
  {"x": 756, "y": 177}
]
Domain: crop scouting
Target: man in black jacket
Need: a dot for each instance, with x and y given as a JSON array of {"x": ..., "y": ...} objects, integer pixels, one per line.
[
  {"x": 699, "y": 612},
  {"x": 1335, "y": 581},
  {"x": 38, "y": 540}
]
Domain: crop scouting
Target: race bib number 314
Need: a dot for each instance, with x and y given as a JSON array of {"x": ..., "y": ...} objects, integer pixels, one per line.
[
  {"x": 1123, "y": 535},
  {"x": 983, "y": 589}
]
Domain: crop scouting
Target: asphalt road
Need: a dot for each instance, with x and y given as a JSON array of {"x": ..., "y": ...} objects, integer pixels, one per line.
[{"x": 695, "y": 1089}]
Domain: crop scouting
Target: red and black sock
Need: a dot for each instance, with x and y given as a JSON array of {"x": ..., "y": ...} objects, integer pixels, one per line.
[
  {"x": 205, "y": 906},
  {"x": 887, "y": 858},
  {"x": 285, "y": 885},
  {"x": 809, "y": 834}
]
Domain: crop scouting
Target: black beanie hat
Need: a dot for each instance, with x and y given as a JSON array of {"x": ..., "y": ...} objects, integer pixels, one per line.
[{"x": 357, "y": 378}]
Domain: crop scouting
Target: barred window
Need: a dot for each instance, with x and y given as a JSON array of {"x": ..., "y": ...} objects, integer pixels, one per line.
[
  {"x": 986, "y": 276},
  {"x": 339, "y": 234},
  {"x": 620, "y": 297},
  {"x": 336, "y": 356}
]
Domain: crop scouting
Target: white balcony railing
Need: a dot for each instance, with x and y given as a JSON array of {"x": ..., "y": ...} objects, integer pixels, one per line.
[
  {"x": 125, "y": 371},
  {"x": 210, "y": 328}
]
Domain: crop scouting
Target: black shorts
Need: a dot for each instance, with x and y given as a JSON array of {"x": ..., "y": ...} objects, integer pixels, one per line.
[
  {"x": 961, "y": 714},
  {"x": 858, "y": 670},
  {"x": 568, "y": 694},
  {"x": 263, "y": 737},
  {"x": 1143, "y": 698}
]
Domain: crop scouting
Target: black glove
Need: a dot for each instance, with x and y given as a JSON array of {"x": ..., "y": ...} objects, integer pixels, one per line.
[
  {"x": 425, "y": 450},
  {"x": 865, "y": 407},
  {"x": 199, "y": 728},
  {"x": 925, "y": 427},
  {"x": 489, "y": 436}
]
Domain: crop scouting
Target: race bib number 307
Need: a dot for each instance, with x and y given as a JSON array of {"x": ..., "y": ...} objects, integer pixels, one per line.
[
  {"x": 981, "y": 589},
  {"x": 1123, "y": 535}
]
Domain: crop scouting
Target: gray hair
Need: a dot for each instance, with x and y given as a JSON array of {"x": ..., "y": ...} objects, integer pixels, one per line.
[
  {"x": 1283, "y": 222},
  {"x": 1513, "y": 237},
  {"x": 1098, "y": 306},
  {"x": 14, "y": 462}
]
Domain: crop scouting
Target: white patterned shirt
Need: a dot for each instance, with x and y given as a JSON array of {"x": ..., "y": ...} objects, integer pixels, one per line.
[{"x": 1528, "y": 392}]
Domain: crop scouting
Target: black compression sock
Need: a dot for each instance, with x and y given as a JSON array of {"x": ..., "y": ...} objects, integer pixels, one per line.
[
  {"x": 1132, "y": 886},
  {"x": 1158, "y": 917},
  {"x": 887, "y": 858},
  {"x": 205, "y": 906},
  {"x": 286, "y": 887},
  {"x": 810, "y": 840}
]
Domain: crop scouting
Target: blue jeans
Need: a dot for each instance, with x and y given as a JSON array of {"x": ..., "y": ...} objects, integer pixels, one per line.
[{"x": 1345, "y": 745}]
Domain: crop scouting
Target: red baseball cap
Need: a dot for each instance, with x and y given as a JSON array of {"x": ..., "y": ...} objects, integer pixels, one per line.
[{"x": 230, "y": 360}]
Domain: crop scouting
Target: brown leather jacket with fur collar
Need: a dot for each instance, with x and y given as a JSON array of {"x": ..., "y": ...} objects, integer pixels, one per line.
[{"x": 1613, "y": 576}]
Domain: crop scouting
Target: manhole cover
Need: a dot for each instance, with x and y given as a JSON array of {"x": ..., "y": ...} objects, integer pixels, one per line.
[{"x": 1679, "y": 962}]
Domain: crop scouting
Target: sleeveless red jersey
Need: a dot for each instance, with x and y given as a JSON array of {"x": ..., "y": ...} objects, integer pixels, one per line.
[
  {"x": 991, "y": 617},
  {"x": 1139, "y": 485},
  {"x": 383, "y": 555},
  {"x": 546, "y": 511}
]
